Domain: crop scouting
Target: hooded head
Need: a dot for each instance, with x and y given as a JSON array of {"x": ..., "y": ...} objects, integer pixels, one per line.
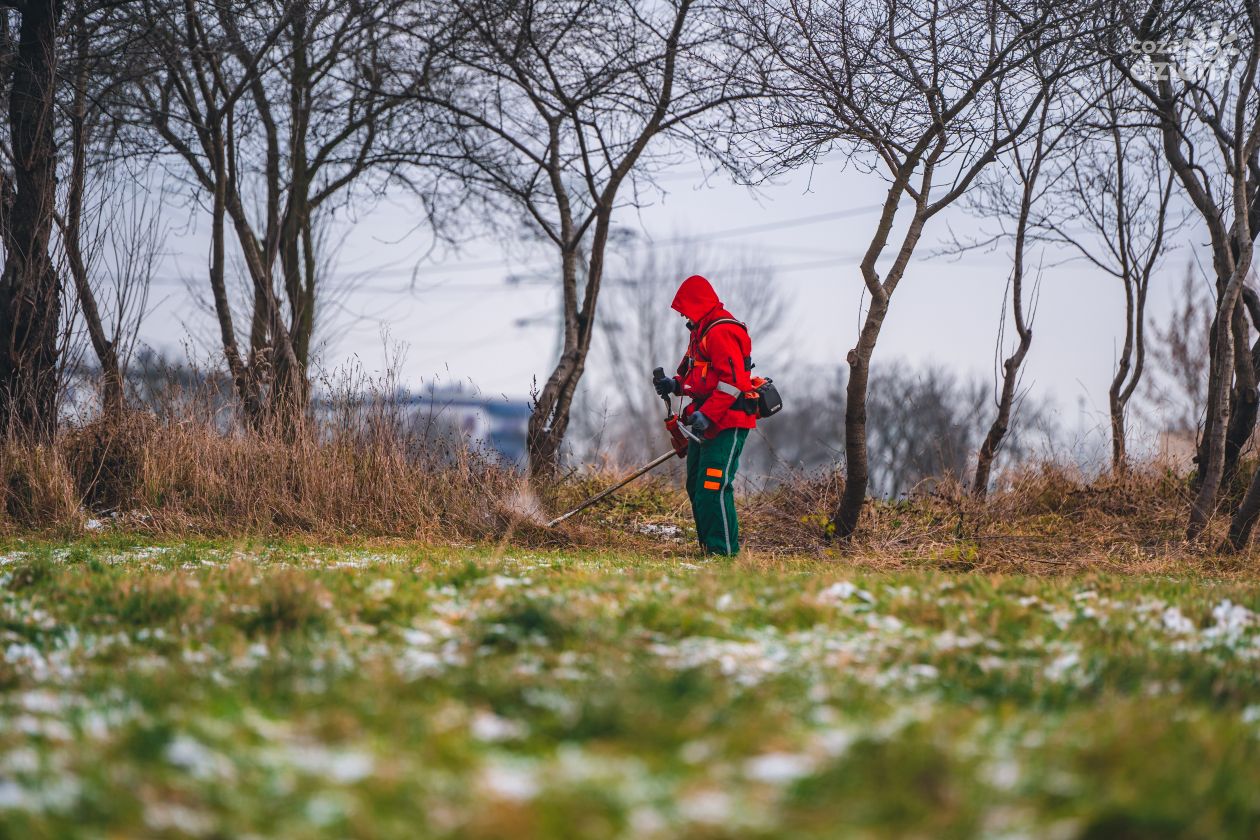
[{"x": 695, "y": 298}]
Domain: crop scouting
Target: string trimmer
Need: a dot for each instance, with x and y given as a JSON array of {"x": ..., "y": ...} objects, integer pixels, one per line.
[{"x": 678, "y": 435}]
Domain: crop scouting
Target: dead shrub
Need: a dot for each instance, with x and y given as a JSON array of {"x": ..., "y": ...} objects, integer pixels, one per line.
[{"x": 106, "y": 459}]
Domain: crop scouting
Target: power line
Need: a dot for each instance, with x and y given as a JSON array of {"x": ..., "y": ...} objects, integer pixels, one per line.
[
  {"x": 544, "y": 282},
  {"x": 525, "y": 284},
  {"x": 769, "y": 226},
  {"x": 724, "y": 233}
]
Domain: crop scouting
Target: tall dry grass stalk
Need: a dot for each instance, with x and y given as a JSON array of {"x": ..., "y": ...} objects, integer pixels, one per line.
[{"x": 38, "y": 487}]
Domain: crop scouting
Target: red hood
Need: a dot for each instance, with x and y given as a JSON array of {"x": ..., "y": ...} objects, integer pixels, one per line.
[{"x": 695, "y": 298}]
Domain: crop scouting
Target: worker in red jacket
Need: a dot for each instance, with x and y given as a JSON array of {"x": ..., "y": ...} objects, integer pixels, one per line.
[{"x": 715, "y": 376}]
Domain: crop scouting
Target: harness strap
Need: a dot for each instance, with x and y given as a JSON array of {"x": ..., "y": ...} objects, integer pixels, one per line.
[
  {"x": 721, "y": 321},
  {"x": 699, "y": 342}
]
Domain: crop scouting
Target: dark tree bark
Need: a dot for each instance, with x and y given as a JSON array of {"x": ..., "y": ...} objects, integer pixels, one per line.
[
  {"x": 30, "y": 291},
  {"x": 1243, "y": 400},
  {"x": 857, "y": 464},
  {"x": 1244, "y": 520}
]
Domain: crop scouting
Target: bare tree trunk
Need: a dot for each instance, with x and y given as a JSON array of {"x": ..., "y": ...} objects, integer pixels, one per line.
[
  {"x": 288, "y": 400},
  {"x": 1116, "y": 394},
  {"x": 1243, "y": 522},
  {"x": 856, "y": 462},
  {"x": 112, "y": 397},
  {"x": 30, "y": 291},
  {"x": 291, "y": 390},
  {"x": 1212, "y": 467},
  {"x": 1244, "y": 518},
  {"x": 844, "y": 519},
  {"x": 244, "y": 376},
  {"x": 1116, "y": 399},
  {"x": 1133, "y": 359},
  {"x": 1231, "y": 244},
  {"x": 1001, "y": 423},
  {"x": 1013, "y": 364},
  {"x": 1202, "y": 454},
  {"x": 1232, "y": 252},
  {"x": 552, "y": 409},
  {"x": 550, "y": 418},
  {"x": 1244, "y": 400}
]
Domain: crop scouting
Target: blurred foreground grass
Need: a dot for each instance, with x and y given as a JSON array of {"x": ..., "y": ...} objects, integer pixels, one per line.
[{"x": 235, "y": 690}]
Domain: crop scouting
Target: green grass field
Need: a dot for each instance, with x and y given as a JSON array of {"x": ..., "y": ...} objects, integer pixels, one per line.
[{"x": 235, "y": 690}]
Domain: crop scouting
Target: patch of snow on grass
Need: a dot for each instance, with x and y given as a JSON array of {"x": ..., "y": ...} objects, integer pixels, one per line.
[
  {"x": 841, "y": 591},
  {"x": 380, "y": 589},
  {"x": 489, "y": 727},
  {"x": 201, "y": 762},
  {"x": 712, "y": 807},
  {"x": 778, "y": 768},
  {"x": 1175, "y": 622},
  {"x": 173, "y": 817},
  {"x": 343, "y": 766},
  {"x": 1230, "y": 621},
  {"x": 1064, "y": 666},
  {"x": 514, "y": 781}
]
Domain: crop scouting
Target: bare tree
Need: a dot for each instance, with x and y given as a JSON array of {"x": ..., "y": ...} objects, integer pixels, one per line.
[
  {"x": 993, "y": 196},
  {"x": 30, "y": 290},
  {"x": 106, "y": 206},
  {"x": 276, "y": 112},
  {"x": 1209, "y": 124},
  {"x": 912, "y": 90},
  {"x": 1101, "y": 207},
  {"x": 81, "y": 74},
  {"x": 556, "y": 112},
  {"x": 112, "y": 257}
]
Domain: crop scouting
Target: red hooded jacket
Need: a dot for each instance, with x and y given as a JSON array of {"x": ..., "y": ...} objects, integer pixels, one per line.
[{"x": 714, "y": 373}]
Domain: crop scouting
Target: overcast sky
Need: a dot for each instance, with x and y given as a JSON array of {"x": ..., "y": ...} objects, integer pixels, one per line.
[{"x": 462, "y": 315}]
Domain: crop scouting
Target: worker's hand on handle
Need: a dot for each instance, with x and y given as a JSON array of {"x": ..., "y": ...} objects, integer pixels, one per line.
[
  {"x": 666, "y": 386},
  {"x": 698, "y": 422}
]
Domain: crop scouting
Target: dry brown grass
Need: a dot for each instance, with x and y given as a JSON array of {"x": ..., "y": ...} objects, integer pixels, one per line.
[
  {"x": 196, "y": 478},
  {"x": 38, "y": 487},
  {"x": 185, "y": 473},
  {"x": 365, "y": 476},
  {"x": 1045, "y": 518}
]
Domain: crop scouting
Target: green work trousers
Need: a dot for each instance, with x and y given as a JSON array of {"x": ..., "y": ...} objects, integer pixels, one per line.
[{"x": 711, "y": 468}]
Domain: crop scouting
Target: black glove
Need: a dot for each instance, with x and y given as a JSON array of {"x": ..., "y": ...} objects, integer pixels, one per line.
[
  {"x": 665, "y": 385},
  {"x": 699, "y": 423}
]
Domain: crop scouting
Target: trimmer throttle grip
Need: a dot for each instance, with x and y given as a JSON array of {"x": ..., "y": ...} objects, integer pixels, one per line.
[
  {"x": 659, "y": 373},
  {"x": 676, "y": 436}
]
